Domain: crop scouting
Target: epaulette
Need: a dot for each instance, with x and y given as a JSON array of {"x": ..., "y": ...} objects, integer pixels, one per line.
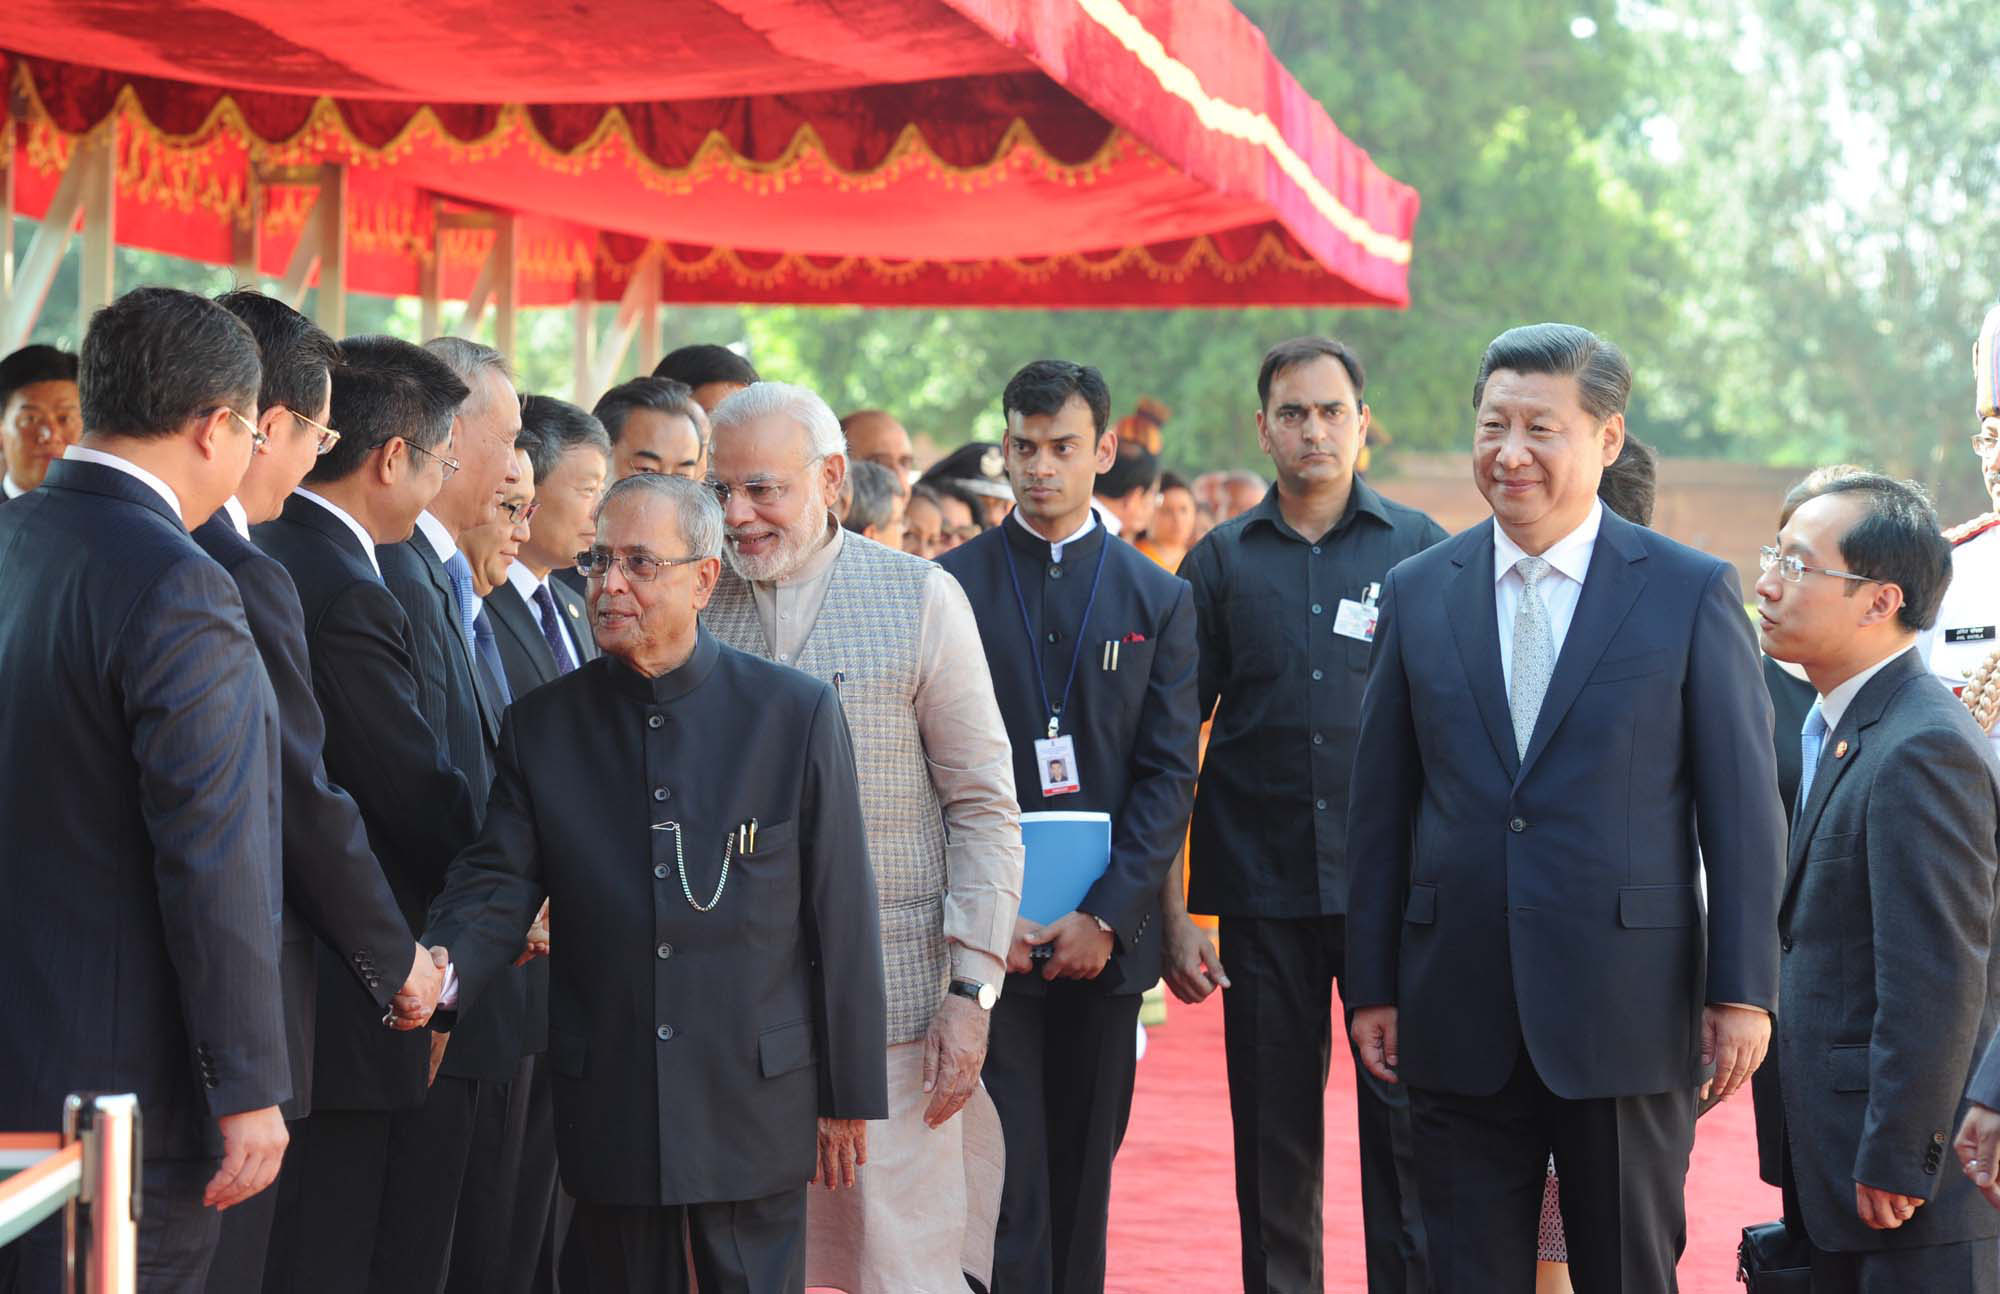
[{"x": 1966, "y": 531}]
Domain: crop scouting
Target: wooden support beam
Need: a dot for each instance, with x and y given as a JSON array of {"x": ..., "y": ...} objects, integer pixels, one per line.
[
  {"x": 246, "y": 241},
  {"x": 583, "y": 344},
  {"x": 305, "y": 259},
  {"x": 505, "y": 259},
  {"x": 476, "y": 300},
  {"x": 6, "y": 222},
  {"x": 649, "y": 324},
  {"x": 45, "y": 252},
  {"x": 430, "y": 287},
  {"x": 330, "y": 306},
  {"x": 642, "y": 294},
  {"x": 97, "y": 281}
]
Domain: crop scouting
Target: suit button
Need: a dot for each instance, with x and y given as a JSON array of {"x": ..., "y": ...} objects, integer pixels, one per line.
[
  {"x": 1317, "y": 676},
  {"x": 1054, "y": 637},
  {"x": 665, "y": 951},
  {"x": 661, "y": 793},
  {"x": 1055, "y": 572},
  {"x": 1785, "y": 944},
  {"x": 1518, "y": 824},
  {"x": 360, "y": 958},
  {"x": 654, "y": 721},
  {"x": 1315, "y": 608},
  {"x": 660, "y": 872},
  {"x": 1320, "y": 805},
  {"x": 665, "y": 1033},
  {"x": 1318, "y": 740},
  {"x": 1937, "y": 1139}
]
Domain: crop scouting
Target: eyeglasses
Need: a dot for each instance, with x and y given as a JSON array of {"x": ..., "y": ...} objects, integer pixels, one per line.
[
  {"x": 638, "y": 567},
  {"x": 328, "y": 437},
  {"x": 521, "y": 513},
  {"x": 1987, "y": 438},
  {"x": 449, "y": 465},
  {"x": 763, "y": 492},
  {"x": 257, "y": 438},
  {"x": 1791, "y": 570}
]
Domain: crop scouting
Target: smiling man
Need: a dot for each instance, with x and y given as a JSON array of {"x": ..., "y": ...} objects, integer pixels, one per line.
[{"x": 1563, "y": 722}]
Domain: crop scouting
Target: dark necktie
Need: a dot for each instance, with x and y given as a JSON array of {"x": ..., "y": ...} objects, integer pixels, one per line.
[{"x": 545, "y": 609}]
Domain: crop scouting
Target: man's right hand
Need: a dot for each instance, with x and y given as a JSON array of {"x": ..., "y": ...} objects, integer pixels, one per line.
[
  {"x": 1374, "y": 1032},
  {"x": 1021, "y": 953},
  {"x": 843, "y": 1149},
  {"x": 253, "y": 1145},
  {"x": 417, "y": 999},
  {"x": 1193, "y": 969},
  {"x": 1978, "y": 1144}
]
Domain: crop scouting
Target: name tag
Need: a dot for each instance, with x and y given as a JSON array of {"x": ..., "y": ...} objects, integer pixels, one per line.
[
  {"x": 1055, "y": 763},
  {"x": 1972, "y": 634},
  {"x": 1355, "y": 620}
]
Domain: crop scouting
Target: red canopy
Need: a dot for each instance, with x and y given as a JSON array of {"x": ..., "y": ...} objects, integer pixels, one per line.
[{"x": 882, "y": 152}]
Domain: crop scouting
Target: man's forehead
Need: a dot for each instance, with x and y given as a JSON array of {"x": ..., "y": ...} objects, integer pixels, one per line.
[
  {"x": 1320, "y": 380},
  {"x": 774, "y": 442},
  {"x": 1532, "y": 392}
]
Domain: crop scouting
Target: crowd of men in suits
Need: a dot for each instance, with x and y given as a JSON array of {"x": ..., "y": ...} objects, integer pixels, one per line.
[{"x": 346, "y": 684}]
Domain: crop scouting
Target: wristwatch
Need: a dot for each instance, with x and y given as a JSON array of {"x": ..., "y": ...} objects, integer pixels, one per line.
[{"x": 984, "y": 994}]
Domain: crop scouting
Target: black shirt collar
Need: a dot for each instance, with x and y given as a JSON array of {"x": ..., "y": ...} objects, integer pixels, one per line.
[
  {"x": 675, "y": 683},
  {"x": 1362, "y": 501}
]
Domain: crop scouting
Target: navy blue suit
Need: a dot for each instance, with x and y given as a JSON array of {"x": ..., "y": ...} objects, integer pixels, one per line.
[
  {"x": 1536, "y": 919},
  {"x": 138, "y": 781}
]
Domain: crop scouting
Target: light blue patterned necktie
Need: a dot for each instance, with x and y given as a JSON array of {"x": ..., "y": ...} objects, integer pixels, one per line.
[
  {"x": 1811, "y": 737},
  {"x": 1534, "y": 653},
  {"x": 460, "y": 572}
]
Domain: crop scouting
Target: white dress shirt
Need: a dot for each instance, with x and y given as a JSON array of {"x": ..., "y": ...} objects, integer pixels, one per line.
[
  {"x": 527, "y": 585},
  {"x": 440, "y": 539},
  {"x": 1089, "y": 524},
  {"x": 12, "y": 490},
  {"x": 1834, "y": 704},
  {"x": 233, "y": 508},
  {"x": 83, "y": 454},
  {"x": 1112, "y": 525},
  {"x": 1569, "y": 562},
  {"x": 366, "y": 540}
]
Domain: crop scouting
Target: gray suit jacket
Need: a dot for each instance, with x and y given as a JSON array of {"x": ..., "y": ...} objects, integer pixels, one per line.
[{"x": 1887, "y": 988}]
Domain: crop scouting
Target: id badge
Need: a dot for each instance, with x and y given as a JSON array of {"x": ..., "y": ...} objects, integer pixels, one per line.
[
  {"x": 1055, "y": 764},
  {"x": 1356, "y": 620}
]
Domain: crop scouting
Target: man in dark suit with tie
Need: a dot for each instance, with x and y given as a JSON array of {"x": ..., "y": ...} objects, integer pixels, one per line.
[
  {"x": 333, "y": 885},
  {"x": 139, "y": 761},
  {"x": 1889, "y": 986},
  {"x": 540, "y": 623},
  {"x": 1563, "y": 720},
  {"x": 1092, "y": 651},
  {"x": 393, "y": 405}
]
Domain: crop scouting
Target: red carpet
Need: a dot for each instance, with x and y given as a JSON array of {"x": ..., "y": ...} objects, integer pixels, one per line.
[{"x": 1173, "y": 1205}]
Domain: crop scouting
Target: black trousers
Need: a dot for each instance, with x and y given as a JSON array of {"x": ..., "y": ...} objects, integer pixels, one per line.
[
  {"x": 366, "y": 1198},
  {"x": 742, "y": 1247},
  {"x": 1482, "y": 1166},
  {"x": 1279, "y": 1033},
  {"x": 177, "y": 1236},
  {"x": 505, "y": 1206},
  {"x": 1059, "y": 1066}
]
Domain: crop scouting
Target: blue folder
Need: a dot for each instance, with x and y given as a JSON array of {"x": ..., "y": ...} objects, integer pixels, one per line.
[{"x": 1066, "y": 852}]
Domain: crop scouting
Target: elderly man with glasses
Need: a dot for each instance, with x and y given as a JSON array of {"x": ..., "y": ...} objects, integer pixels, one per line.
[
  {"x": 1963, "y": 648},
  {"x": 716, "y": 1015},
  {"x": 41, "y": 415},
  {"x": 896, "y": 638}
]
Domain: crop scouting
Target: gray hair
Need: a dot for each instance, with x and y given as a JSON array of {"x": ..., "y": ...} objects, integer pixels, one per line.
[
  {"x": 468, "y": 359},
  {"x": 802, "y": 405},
  {"x": 695, "y": 508},
  {"x": 875, "y": 495}
]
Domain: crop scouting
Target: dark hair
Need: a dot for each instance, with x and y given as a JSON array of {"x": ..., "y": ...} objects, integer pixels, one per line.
[
  {"x": 297, "y": 352},
  {"x": 705, "y": 362},
  {"x": 925, "y": 491},
  {"x": 1603, "y": 378},
  {"x": 32, "y": 364},
  {"x": 555, "y": 428},
  {"x": 1304, "y": 350},
  {"x": 1629, "y": 486},
  {"x": 875, "y": 495},
  {"x": 1813, "y": 486},
  {"x": 1174, "y": 481},
  {"x": 1042, "y": 388},
  {"x": 660, "y": 394},
  {"x": 1898, "y": 541},
  {"x": 1133, "y": 469},
  {"x": 385, "y": 388},
  {"x": 156, "y": 357}
]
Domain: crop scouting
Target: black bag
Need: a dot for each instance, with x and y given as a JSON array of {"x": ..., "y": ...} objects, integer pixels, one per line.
[{"x": 1774, "y": 1259}]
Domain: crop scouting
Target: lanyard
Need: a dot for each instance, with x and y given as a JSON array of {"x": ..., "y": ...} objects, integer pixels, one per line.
[{"x": 1035, "y": 648}]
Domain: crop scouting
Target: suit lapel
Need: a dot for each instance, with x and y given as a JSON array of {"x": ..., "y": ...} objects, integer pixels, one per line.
[
  {"x": 1476, "y": 632},
  {"x": 517, "y": 620},
  {"x": 581, "y": 638},
  {"x": 1610, "y": 586},
  {"x": 1837, "y": 754},
  {"x": 482, "y": 691}
]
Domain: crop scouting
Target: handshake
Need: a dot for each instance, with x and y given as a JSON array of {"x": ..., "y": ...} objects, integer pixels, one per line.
[{"x": 417, "y": 1000}]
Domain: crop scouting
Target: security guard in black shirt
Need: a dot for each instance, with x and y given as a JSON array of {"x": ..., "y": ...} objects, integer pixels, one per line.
[{"x": 1284, "y": 598}]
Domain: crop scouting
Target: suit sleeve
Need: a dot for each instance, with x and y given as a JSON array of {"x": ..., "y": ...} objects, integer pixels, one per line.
[
  {"x": 332, "y": 877},
  {"x": 842, "y": 925},
  {"x": 1148, "y": 828},
  {"x": 1201, "y": 568},
  {"x": 1383, "y": 801},
  {"x": 1985, "y": 1086},
  {"x": 1740, "y": 820},
  {"x": 1931, "y": 872},
  {"x": 492, "y": 889},
  {"x": 202, "y": 726},
  {"x": 378, "y": 746}
]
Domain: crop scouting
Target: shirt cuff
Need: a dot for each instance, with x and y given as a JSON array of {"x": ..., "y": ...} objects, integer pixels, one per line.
[
  {"x": 448, "y": 1000},
  {"x": 977, "y": 966}
]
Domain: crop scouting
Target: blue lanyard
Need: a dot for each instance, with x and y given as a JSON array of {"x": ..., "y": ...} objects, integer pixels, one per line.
[{"x": 1028, "y": 628}]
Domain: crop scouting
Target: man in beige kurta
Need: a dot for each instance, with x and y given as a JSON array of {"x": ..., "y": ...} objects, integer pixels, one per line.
[{"x": 896, "y": 637}]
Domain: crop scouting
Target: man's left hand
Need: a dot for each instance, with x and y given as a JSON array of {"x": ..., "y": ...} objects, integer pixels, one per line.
[
  {"x": 1734, "y": 1040},
  {"x": 954, "y": 1050},
  {"x": 1884, "y": 1210},
  {"x": 843, "y": 1149},
  {"x": 1977, "y": 1145},
  {"x": 1080, "y": 948}
]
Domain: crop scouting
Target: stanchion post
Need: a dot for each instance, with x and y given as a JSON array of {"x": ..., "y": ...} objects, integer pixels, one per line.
[{"x": 104, "y": 1247}]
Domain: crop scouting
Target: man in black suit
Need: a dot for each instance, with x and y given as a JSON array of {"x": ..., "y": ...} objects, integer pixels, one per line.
[
  {"x": 1889, "y": 986},
  {"x": 139, "y": 762},
  {"x": 719, "y": 993},
  {"x": 41, "y": 415},
  {"x": 540, "y": 624},
  {"x": 1092, "y": 650},
  {"x": 1561, "y": 707},
  {"x": 333, "y": 885},
  {"x": 393, "y": 405}
]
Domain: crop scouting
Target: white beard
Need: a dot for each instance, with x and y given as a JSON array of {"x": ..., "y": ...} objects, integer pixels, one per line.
[{"x": 794, "y": 547}]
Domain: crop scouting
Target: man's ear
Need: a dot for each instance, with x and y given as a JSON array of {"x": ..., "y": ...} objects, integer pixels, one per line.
[
  {"x": 832, "y": 472},
  {"x": 1887, "y": 604},
  {"x": 272, "y": 422},
  {"x": 1613, "y": 434},
  {"x": 1107, "y": 450},
  {"x": 706, "y": 572},
  {"x": 210, "y": 433}
]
